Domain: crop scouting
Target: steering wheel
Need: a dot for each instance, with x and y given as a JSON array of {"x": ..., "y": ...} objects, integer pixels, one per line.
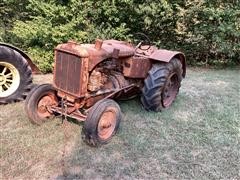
[{"x": 141, "y": 41}]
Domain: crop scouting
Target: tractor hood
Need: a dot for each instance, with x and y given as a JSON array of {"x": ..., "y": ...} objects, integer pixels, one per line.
[{"x": 99, "y": 51}]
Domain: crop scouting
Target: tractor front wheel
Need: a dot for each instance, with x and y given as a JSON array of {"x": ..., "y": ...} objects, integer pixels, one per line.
[
  {"x": 102, "y": 122},
  {"x": 38, "y": 103}
]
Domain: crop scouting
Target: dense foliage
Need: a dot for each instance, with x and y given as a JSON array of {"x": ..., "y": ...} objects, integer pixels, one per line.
[{"x": 207, "y": 31}]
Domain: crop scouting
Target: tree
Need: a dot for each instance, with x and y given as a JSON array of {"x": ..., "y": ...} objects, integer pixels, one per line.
[{"x": 207, "y": 31}]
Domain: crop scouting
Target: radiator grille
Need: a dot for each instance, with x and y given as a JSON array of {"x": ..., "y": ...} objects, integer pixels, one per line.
[{"x": 68, "y": 73}]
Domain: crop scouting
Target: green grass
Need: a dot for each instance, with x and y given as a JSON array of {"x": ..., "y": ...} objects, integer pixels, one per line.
[{"x": 196, "y": 138}]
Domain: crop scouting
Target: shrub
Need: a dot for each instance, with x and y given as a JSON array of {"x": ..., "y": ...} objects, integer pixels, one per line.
[{"x": 207, "y": 31}]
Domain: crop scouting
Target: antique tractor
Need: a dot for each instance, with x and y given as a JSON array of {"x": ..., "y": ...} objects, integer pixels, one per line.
[{"x": 89, "y": 77}]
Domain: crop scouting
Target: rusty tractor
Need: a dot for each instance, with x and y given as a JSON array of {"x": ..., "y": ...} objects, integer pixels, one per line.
[
  {"x": 16, "y": 70},
  {"x": 88, "y": 78}
]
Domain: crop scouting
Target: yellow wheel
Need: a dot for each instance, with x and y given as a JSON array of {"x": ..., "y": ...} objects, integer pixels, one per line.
[
  {"x": 9, "y": 79},
  {"x": 15, "y": 76}
]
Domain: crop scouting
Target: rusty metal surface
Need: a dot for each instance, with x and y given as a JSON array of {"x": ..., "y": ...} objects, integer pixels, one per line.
[
  {"x": 107, "y": 51},
  {"x": 107, "y": 123},
  {"x": 119, "y": 92},
  {"x": 70, "y": 73},
  {"x": 90, "y": 101},
  {"x": 98, "y": 44},
  {"x": 102, "y": 50},
  {"x": 97, "y": 52},
  {"x": 75, "y": 114},
  {"x": 166, "y": 55},
  {"x": 170, "y": 90},
  {"x": 46, "y": 101},
  {"x": 136, "y": 67},
  {"x": 67, "y": 96},
  {"x": 74, "y": 48},
  {"x": 163, "y": 55},
  {"x": 146, "y": 50},
  {"x": 96, "y": 81},
  {"x": 119, "y": 79}
]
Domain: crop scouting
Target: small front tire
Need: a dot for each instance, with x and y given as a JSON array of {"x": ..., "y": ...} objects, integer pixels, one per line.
[
  {"x": 38, "y": 103},
  {"x": 102, "y": 122}
]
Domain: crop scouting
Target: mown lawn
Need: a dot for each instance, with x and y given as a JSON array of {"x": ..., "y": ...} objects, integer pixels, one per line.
[{"x": 197, "y": 138}]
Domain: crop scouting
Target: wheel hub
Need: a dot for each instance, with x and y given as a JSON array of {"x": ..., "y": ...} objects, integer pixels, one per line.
[
  {"x": 107, "y": 124},
  {"x": 9, "y": 79},
  {"x": 45, "y": 102},
  {"x": 170, "y": 90},
  {"x": 2, "y": 79}
]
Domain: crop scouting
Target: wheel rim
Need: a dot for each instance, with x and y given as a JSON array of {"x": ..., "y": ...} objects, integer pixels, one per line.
[
  {"x": 107, "y": 123},
  {"x": 170, "y": 90},
  {"x": 44, "y": 104},
  {"x": 9, "y": 79}
]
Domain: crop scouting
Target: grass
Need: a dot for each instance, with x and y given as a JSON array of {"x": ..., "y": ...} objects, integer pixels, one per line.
[{"x": 197, "y": 138}]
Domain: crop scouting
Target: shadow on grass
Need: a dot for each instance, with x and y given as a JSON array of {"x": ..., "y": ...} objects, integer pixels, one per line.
[{"x": 173, "y": 144}]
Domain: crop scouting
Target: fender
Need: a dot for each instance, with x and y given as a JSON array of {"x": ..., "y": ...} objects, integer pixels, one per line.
[
  {"x": 163, "y": 55},
  {"x": 34, "y": 68}
]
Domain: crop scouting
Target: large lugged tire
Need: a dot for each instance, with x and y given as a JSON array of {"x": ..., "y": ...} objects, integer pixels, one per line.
[
  {"x": 162, "y": 85},
  {"x": 102, "y": 122},
  {"x": 38, "y": 102},
  {"x": 15, "y": 76}
]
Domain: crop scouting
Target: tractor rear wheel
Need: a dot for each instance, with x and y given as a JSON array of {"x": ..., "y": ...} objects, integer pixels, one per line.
[
  {"x": 15, "y": 76},
  {"x": 102, "y": 122},
  {"x": 38, "y": 103},
  {"x": 162, "y": 85}
]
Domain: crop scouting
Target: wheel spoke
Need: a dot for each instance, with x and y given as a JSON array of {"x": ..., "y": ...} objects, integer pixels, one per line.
[
  {"x": 9, "y": 84},
  {"x": 9, "y": 80},
  {"x": 6, "y": 85},
  {"x": 8, "y": 75},
  {"x": 4, "y": 70}
]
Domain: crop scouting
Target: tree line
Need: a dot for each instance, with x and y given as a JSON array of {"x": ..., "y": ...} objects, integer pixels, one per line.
[{"x": 208, "y": 32}]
